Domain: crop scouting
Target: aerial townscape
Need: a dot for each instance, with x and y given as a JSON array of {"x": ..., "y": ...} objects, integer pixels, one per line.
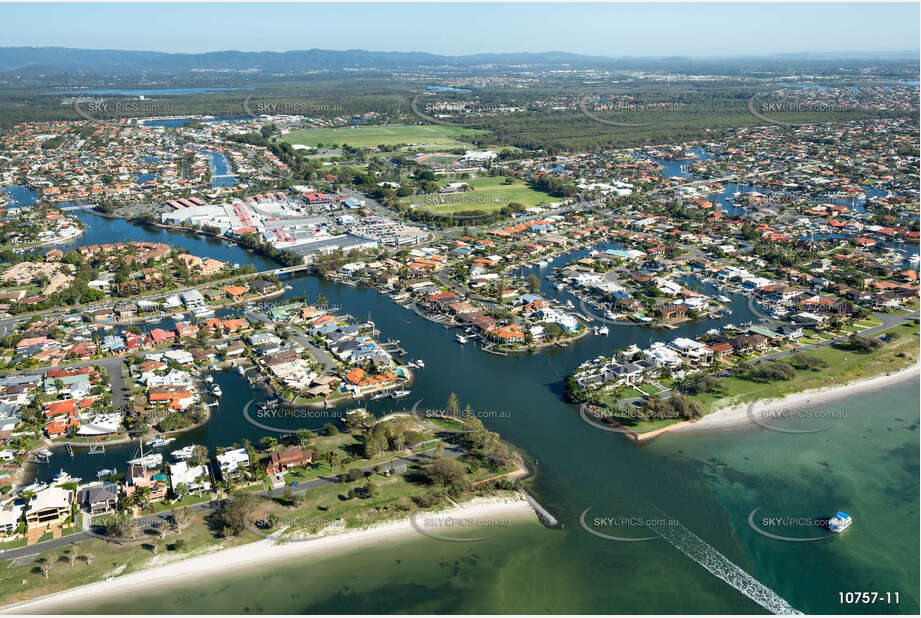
[{"x": 607, "y": 331}]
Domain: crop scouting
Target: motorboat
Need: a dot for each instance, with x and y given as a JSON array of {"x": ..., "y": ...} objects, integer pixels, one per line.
[
  {"x": 603, "y": 330},
  {"x": 381, "y": 395},
  {"x": 184, "y": 453},
  {"x": 241, "y": 370},
  {"x": 105, "y": 472},
  {"x": 209, "y": 379},
  {"x": 461, "y": 339},
  {"x": 64, "y": 477},
  {"x": 160, "y": 442},
  {"x": 399, "y": 394},
  {"x": 840, "y": 522},
  {"x": 216, "y": 390},
  {"x": 723, "y": 299},
  {"x": 420, "y": 363}
]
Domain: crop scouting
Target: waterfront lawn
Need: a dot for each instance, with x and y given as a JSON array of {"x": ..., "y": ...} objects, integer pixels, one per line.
[
  {"x": 189, "y": 500},
  {"x": 109, "y": 560},
  {"x": 844, "y": 365},
  {"x": 325, "y": 506},
  {"x": 651, "y": 425},
  {"x": 441, "y": 136}
]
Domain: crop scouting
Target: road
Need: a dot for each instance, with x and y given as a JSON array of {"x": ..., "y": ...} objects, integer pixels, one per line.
[
  {"x": 318, "y": 354},
  {"x": 162, "y": 519},
  {"x": 115, "y": 369}
]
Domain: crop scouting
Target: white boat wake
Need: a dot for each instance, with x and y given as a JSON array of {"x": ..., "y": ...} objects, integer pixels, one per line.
[{"x": 719, "y": 565}]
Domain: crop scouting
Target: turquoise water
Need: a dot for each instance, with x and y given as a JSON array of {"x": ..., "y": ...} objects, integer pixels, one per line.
[
  {"x": 530, "y": 569},
  {"x": 866, "y": 464}
]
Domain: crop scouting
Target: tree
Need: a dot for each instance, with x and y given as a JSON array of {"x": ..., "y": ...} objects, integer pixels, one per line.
[
  {"x": 230, "y": 515},
  {"x": 45, "y": 567},
  {"x": 180, "y": 518},
  {"x": 330, "y": 430},
  {"x": 182, "y": 490},
  {"x": 533, "y": 283},
  {"x": 864, "y": 345},
  {"x": 443, "y": 471},
  {"x": 268, "y": 443},
  {"x": 453, "y": 405},
  {"x": 304, "y": 436},
  {"x": 89, "y": 557},
  {"x": 199, "y": 454}
]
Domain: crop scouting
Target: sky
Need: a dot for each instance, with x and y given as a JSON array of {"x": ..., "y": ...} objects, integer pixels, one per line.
[{"x": 455, "y": 29}]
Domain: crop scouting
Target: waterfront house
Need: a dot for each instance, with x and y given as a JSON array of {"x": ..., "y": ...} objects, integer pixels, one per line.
[
  {"x": 280, "y": 461},
  {"x": 139, "y": 476},
  {"x": 99, "y": 499},
  {"x": 195, "y": 478},
  {"x": 50, "y": 507},
  {"x": 232, "y": 461},
  {"x": 10, "y": 518}
]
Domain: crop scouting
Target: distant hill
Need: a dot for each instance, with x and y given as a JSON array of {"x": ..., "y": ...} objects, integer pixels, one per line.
[{"x": 35, "y": 60}]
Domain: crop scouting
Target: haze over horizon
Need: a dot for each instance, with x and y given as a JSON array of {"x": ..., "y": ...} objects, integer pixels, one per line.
[{"x": 713, "y": 30}]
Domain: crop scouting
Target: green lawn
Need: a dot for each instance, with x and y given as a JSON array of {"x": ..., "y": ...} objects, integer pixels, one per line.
[
  {"x": 843, "y": 366},
  {"x": 390, "y": 135},
  {"x": 109, "y": 559},
  {"x": 488, "y": 194}
]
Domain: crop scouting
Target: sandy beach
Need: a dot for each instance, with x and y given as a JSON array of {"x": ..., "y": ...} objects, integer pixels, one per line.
[
  {"x": 266, "y": 551},
  {"x": 735, "y": 417}
]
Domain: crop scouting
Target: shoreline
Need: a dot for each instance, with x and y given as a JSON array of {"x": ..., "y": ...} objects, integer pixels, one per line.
[
  {"x": 227, "y": 561},
  {"x": 736, "y": 416}
]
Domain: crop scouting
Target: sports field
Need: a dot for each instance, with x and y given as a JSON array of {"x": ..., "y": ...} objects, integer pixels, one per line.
[
  {"x": 365, "y": 137},
  {"x": 489, "y": 193}
]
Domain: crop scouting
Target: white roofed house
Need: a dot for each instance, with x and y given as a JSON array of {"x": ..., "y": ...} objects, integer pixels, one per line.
[
  {"x": 196, "y": 478},
  {"x": 662, "y": 356},
  {"x": 10, "y": 517},
  {"x": 232, "y": 461},
  {"x": 694, "y": 353},
  {"x": 100, "y": 425},
  {"x": 193, "y": 299},
  {"x": 50, "y": 507}
]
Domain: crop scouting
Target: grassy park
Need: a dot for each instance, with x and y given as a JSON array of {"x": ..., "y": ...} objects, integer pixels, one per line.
[
  {"x": 488, "y": 194},
  {"x": 439, "y": 136},
  {"x": 842, "y": 365}
]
